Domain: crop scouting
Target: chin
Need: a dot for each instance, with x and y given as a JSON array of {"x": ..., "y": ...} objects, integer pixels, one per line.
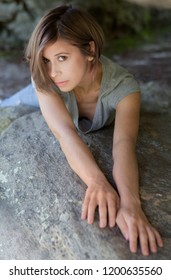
[{"x": 65, "y": 90}]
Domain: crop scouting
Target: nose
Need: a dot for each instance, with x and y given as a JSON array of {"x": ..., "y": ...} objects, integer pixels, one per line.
[{"x": 54, "y": 71}]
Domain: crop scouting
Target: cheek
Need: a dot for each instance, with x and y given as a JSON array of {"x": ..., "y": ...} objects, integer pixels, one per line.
[
  {"x": 76, "y": 68},
  {"x": 81, "y": 67},
  {"x": 73, "y": 70}
]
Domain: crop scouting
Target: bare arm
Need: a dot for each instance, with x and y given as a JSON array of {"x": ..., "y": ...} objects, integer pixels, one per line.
[
  {"x": 124, "y": 148},
  {"x": 130, "y": 218},
  {"x": 99, "y": 192}
]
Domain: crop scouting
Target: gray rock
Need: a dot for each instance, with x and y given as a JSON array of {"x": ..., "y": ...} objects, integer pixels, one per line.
[
  {"x": 13, "y": 76},
  {"x": 165, "y": 4},
  {"x": 18, "y": 19},
  {"x": 9, "y": 114},
  {"x": 46, "y": 195},
  {"x": 16, "y": 242}
]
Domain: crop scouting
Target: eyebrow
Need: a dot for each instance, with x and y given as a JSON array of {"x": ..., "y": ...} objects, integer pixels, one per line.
[
  {"x": 61, "y": 53},
  {"x": 57, "y": 54}
]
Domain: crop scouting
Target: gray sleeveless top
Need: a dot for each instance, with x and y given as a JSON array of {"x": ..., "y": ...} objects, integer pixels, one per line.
[{"x": 116, "y": 83}]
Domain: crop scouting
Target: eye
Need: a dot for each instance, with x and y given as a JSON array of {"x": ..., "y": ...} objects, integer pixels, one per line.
[
  {"x": 62, "y": 58},
  {"x": 45, "y": 60}
]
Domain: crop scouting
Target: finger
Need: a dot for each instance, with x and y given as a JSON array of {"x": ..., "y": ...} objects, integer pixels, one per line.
[
  {"x": 112, "y": 209},
  {"x": 91, "y": 211},
  {"x": 122, "y": 226},
  {"x": 158, "y": 238},
  {"x": 133, "y": 238},
  {"x": 144, "y": 238},
  {"x": 85, "y": 208},
  {"x": 103, "y": 213},
  {"x": 154, "y": 239}
]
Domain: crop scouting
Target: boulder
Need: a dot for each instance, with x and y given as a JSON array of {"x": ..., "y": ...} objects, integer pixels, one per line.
[
  {"x": 165, "y": 4},
  {"x": 46, "y": 196},
  {"x": 17, "y": 20},
  {"x": 9, "y": 114}
]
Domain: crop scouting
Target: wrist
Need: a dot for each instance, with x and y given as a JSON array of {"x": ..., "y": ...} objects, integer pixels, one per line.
[
  {"x": 129, "y": 198},
  {"x": 97, "y": 180}
]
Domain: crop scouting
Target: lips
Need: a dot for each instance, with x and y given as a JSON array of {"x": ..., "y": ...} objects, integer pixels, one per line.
[{"x": 60, "y": 84}]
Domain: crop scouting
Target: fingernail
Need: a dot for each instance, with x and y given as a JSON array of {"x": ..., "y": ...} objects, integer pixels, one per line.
[
  {"x": 112, "y": 225},
  {"x": 102, "y": 225}
]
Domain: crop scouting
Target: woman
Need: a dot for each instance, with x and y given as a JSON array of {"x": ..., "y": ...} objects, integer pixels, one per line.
[{"x": 78, "y": 89}]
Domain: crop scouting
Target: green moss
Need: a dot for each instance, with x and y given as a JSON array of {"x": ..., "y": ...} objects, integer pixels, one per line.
[
  {"x": 134, "y": 41},
  {"x": 4, "y": 123}
]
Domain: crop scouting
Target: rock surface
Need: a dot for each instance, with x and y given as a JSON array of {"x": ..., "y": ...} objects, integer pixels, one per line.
[
  {"x": 156, "y": 3},
  {"x": 47, "y": 196},
  {"x": 19, "y": 17},
  {"x": 17, "y": 20},
  {"x": 41, "y": 197}
]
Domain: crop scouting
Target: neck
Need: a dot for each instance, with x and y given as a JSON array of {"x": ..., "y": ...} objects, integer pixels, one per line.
[{"x": 91, "y": 82}]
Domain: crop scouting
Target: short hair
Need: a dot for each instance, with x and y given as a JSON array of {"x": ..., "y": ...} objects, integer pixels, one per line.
[{"x": 63, "y": 22}]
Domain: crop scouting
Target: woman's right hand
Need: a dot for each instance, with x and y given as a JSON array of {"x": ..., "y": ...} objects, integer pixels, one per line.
[
  {"x": 102, "y": 195},
  {"x": 99, "y": 192}
]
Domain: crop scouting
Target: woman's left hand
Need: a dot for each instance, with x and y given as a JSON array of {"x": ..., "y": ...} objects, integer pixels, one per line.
[{"x": 135, "y": 227}]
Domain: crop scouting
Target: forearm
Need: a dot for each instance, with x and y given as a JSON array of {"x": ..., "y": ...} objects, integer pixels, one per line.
[
  {"x": 131, "y": 219},
  {"x": 80, "y": 158},
  {"x": 125, "y": 171}
]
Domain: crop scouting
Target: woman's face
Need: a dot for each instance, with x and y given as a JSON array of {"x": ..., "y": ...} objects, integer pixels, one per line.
[{"x": 66, "y": 65}]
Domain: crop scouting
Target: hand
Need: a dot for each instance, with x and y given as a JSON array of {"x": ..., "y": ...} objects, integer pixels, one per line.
[
  {"x": 103, "y": 196},
  {"x": 134, "y": 226}
]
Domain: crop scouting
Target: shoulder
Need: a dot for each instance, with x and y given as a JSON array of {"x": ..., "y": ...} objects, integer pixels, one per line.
[
  {"x": 116, "y": 77},
  {"x": 117, "y": 82},
  {"x": 112, "y": 67}
]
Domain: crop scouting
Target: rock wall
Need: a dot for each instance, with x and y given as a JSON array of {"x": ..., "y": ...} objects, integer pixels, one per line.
[
  {"x": 18, "y": 18},
  {"x": 154, "y": 3}
]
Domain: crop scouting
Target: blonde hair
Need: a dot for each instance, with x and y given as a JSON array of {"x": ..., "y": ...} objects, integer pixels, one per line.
[{"x": 64, "y": 22}]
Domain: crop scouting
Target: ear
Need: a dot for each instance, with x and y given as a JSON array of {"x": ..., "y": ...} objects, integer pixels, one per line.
[{"x": 92, "y": 47}]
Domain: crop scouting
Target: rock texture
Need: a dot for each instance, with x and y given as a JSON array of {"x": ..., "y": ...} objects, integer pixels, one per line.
[
  {"x": 41, "y": 198},
  {"x": 14, "y": 75},
  {"x": 46, "y": 196},
  {"x": 156, "y": 3},
  {"x": 18, "y": 18}
]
